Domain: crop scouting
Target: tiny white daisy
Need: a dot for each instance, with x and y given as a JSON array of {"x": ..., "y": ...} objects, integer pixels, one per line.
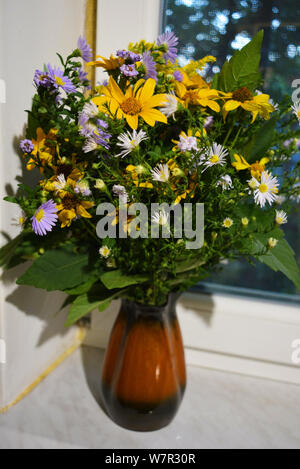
[
  {"x": 280, "y": 199},
  {"x": 170, "y": 106},
  {"x": 253, "y": 183},
  {"x": 161, "y": 173},
  {"x": 216, "y": 156},
  {"x": 90, "y": 109},
  {"x": 129, "y": 141},
  {"x": 160, "y": 217},
  {"x": 187, "y": 143},
  {"x": 100, "y": 184},
  {"x": 227, "y": 223},
  {"x": 225, "y": 182},
  {"x": 83, "y": 188},
  {"x": 267, "y": 189},
  {"x": 104, "y": 252},
  {"x": 60, "y": 183},
  {"x": 281, "y": 217},
  {"x": 296, "y": 109},
  {"x": 90, "y": 145}
]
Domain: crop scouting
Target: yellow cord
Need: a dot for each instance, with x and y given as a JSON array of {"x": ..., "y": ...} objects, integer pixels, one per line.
[{"x": 81, "y": 333}]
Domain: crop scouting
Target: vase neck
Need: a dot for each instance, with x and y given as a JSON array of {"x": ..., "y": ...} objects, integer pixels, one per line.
[{"x": 138, "y": 309}]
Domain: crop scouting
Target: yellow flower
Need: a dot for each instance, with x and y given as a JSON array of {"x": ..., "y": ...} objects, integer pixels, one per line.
[
  {"x": 256, "y": 168},
  {"x": 112, "y": 63},
  {"x": 194, "y": 66},
  {"x": 258, "y": 105},
  {"x": 196, "y": 95},
  {"x": 227, "y": 223},
  {"x": 42, "y": 153},
  {"x": 62, "y": 181},
  {"x": 136, "y": 102},
  {"x": 135, "y": 177},
  {"x": 70, "y": 207}
]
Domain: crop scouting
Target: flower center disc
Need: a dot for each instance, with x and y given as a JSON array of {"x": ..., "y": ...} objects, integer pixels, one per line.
[
  {"x": 131, "y": 106},
  {"x": 68, "y": 203},
  {"x": 59, "y": 81},
  {"x": 40, "y": 215},
  {"x": 263, "y": 188},
  {"x": 242, "y": 95},
  {"x": 191, "y": 96},
  {"x": 214, "y": 159}
]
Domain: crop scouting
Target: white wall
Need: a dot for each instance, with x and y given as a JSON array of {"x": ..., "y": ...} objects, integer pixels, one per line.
[{"x": 31, "y": 32}]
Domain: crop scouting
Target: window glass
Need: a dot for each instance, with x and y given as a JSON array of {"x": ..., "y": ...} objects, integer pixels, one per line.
[{"x": 219, "y": 27}]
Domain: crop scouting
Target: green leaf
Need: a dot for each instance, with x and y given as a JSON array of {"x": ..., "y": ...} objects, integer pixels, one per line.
[
  {"x": 243, "y": 67},
  {"x": 7, "y": 251},
  {"x": 116, "y": 279},
  {"x": 188, "y": 264},
  {"x": 11, "y": 199},
  {"x": 261, "y": 142},
  {"x": 282, "y": 258},
  {"x": 83, "y": 287},
  {"x": 58, "y": 269},
  {"x": 84, "y": 304}
]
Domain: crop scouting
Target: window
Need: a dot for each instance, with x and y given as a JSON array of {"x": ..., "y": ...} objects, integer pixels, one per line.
[{"x": 219, "y": 27}]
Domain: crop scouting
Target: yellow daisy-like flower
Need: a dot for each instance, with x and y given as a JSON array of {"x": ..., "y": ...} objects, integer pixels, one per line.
[
  {"x": 256, "y": 168},
  {"x": 227, "y": 223},
  {"x": 42, "y": 153},
  {"x": 113, "y": 63},
  {"x": 70, "y": 207},
  {"x": 197, "y": 95},
  {"x": 258, "y": 105},
  {"x": 138, "y": 101}
]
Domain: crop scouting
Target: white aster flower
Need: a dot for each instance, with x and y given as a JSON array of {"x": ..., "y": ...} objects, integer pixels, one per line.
[
  {"x": 280, "y": 199},
  {"x": 60, "y": 183},
  {"x": 227, "y": 223},
  {"x": 83, "y": 188},
  {"x": 121, "y": 192},
  {"x": 296, "y": 109},
  {"x": 104, "y": 251},
  {"x": 216, "y": 156},
  {"x": 90, "y": 145},
  {"x": 90, "y": 109},
  {"x": 161, "y": 173},
  {"x": 129, "y": 141},
  {"x": 19, "y": 221},
  {"x": 253, "y": 183},
  {"x": 225, "y": 182},
  {"x": 160, "y": 217},
  {"x": 266, "y": 190},
  {"x": 187, "y": 143},
  {"x": 281, "y": 217},
  {"x": 170, "y": 106}
]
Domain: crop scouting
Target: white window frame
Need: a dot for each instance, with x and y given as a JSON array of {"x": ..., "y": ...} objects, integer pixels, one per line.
[{"x": 221, "y": 330}]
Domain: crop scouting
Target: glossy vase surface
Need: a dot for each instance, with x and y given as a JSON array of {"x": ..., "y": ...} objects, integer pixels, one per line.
[{"x": 144, "y": 374}]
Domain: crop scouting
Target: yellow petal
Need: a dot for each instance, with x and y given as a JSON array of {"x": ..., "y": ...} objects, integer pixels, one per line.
[
  {"x": 132, "y": 121},
  {"x": 231, "y": 105},
  {"x": 151, "y": 116},
  {"x": 116, "y": 91},
  {"x": 146, "y": 91}
]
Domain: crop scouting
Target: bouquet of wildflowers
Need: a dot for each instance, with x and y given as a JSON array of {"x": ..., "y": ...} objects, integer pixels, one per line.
[{"x": 157, "y": 139}]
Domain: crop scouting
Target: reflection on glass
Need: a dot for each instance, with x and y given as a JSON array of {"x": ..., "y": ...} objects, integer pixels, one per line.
[{"x": 215, "y": 27}]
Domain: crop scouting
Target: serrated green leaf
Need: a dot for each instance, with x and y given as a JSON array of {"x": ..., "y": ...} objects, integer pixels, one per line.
[
  {"x": 282, "y": 258},
  {"x": 59, "y": 269},
  {"x": 99, "y": 298},
  {"x": 261, "y": 141},
  {"x": 116, "y": 279},
  {"x": 243, "y": 67}
]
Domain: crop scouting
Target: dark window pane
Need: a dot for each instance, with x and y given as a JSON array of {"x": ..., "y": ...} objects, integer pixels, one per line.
[{"x": 219, "y": 27}]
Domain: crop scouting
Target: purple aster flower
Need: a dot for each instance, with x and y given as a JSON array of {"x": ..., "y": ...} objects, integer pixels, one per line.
[
  {"x": 129, "y": 70},
  {"x": 178, "y": 75},
  {"x": 102, "y": 123},
  {"x": 82, "y": 75},
  {"x": 85, "y": 49},
  {"x": 133, "y": 57},
  {"x": 208, "y": 122},
  {"x": 44, "y": 218},
  {"x": 26, "y": 146},
  {"x": 60, "y": 80},
  {"x": 149, "y": 65},
  {"x": 128, "y": 55},
  {"x": 169, "y": 40},
  {"x": 42, "y": 79}
]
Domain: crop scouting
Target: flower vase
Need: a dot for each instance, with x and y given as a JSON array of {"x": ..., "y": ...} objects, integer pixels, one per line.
[{"x": 144, "y": 373}]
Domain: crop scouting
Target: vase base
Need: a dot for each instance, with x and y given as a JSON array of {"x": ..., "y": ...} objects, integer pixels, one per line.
[{"x": 141, "y": 417}]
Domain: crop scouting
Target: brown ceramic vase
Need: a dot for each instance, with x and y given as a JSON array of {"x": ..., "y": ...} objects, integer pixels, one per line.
[{"x": 144, "y": 374}]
